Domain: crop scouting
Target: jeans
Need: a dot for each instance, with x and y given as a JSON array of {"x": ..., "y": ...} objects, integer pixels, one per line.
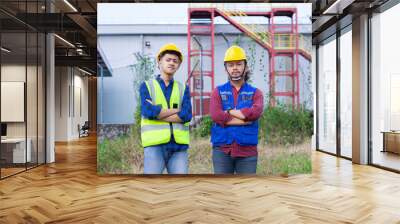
[
  {"x": 157, "y": 158},
  {"x": 225, "y": 164}
]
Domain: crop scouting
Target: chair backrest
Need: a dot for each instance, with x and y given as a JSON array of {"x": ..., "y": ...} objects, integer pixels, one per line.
[{"x": 86, "y": 125}]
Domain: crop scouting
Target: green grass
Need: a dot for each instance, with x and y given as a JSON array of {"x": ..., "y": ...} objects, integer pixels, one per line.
[
  {"x": 285, "y": 164},
  {"x": 284, "y": 159},
  {"x": 284, "y": 148},
  {"x": 124, "y": 155}
]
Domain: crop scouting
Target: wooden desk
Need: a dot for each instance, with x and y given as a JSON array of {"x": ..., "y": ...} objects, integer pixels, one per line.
[
  {"x": 391, "y": 141},
  {"x": 13, "y": 150}
]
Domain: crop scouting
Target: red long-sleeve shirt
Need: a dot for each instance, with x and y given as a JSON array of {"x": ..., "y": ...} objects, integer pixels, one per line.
[{"x": 221, "y": 117}]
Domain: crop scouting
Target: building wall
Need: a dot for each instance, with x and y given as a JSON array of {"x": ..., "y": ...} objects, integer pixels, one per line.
[
  {"x": 16, "y": 73},
  {"x": 33, "y": 125},
  {"x": 71, "y": 102},
  {"x": 118, "y": 51}
]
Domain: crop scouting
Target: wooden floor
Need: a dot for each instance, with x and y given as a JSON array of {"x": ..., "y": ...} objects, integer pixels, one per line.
[
  {"x": 70, "y": 191},
  {"x": 387, "y": 159},
  {"x": 10, "y": 171}
]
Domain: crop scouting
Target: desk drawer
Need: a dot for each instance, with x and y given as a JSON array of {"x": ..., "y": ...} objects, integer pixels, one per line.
[
  {"x": 6, "y": 154},
  {"x": 392, "y": 141},
  {"x": 15, "y": 152}
]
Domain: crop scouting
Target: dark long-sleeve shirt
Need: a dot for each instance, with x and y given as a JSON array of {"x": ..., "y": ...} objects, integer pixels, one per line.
[{"x": 221, "y": 117}]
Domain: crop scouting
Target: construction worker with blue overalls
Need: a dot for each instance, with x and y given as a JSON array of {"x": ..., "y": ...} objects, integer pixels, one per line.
[
  {"x": 236, "y": 108},
  {"x": 166, "y": 112}
]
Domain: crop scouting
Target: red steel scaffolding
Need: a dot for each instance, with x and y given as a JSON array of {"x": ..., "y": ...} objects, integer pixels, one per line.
[{"x": 281, "y": 41}]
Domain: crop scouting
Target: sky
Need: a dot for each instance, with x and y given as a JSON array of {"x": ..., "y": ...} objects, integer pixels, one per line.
[{"x": 174, "y": 13}]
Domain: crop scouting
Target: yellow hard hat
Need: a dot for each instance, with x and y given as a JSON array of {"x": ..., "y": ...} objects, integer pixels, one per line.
[
  {"x": 235, "y": 53},
  {"x": 170, "y": 47}
]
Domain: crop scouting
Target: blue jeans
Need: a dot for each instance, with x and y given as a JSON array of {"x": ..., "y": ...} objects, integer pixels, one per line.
[
  {"x": 225, "y": 164},
  {"x": 157, "y": 158}
]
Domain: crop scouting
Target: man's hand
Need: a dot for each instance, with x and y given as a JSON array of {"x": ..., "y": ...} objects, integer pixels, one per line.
[
  {"x": 173, "y": 119},
  {"x": 164, "y": 113},
  {"x": 168, "y": 115},
  {"x": 237, "y": 114},
  {"x": 237, "y": 121}
]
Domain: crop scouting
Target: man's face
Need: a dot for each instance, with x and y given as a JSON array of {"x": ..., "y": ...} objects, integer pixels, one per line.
[
  {"x": 235, "y": 68},
  {"x": 169, "y": 63}
]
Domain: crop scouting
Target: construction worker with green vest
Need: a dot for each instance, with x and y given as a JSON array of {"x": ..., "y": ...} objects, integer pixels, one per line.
[{"x": 166, "y": 112}]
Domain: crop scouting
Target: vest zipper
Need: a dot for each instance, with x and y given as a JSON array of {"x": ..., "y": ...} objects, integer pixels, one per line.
[{"x": 169, "y": 107}]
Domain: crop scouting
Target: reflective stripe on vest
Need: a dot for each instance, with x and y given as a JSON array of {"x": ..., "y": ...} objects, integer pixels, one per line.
[{"x": 155, "y": 132}]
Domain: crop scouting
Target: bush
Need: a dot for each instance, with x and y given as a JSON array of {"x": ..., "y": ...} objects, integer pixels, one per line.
[
  {"x": 282, "y": 125},
  {"x": 204, "y": 127},
  {"x": 110, "y": 157},
  {"x": 124, "y": 154},
  {"x": 136, "y": 126},
  {"x": 279, "y": 125}
]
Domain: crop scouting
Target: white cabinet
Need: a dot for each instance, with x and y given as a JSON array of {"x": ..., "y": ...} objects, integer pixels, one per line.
[{"x": 18, "y": 149}]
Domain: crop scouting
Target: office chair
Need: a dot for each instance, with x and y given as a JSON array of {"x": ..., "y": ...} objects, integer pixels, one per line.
[{"x": 84, "y": 130}]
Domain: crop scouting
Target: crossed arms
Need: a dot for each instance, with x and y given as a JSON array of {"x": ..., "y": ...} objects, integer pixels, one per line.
[
  {"x": 235, "y": 117},
  {"x": 155, "y": 112},
  {"x": 168, "y": 115}
]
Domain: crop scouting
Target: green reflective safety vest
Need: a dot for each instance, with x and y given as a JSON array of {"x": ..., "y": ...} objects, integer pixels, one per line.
[{"x": 156, "y": 132}]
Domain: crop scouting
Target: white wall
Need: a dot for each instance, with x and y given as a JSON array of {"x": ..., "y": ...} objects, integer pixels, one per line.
[
  {"x": 61, "y": 103},
  {"x": 118, "y": 52},
  {"x": 70, "y": 84},
  {"x": 17, "y": 73},
  {"x": 33, "y": 126},
  {"x": 14, "y": 73},
  {"x": 80, "y": 114},
  {"x": 137, "y": 13}
]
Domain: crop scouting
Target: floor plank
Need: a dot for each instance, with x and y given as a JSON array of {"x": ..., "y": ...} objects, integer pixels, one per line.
[{"x": 70, "y": 191}]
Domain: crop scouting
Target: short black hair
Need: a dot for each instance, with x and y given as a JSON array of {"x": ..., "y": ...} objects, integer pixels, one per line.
[
  {"x": 179, "y": 55},
  {"x": 247, "y": 74}
]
